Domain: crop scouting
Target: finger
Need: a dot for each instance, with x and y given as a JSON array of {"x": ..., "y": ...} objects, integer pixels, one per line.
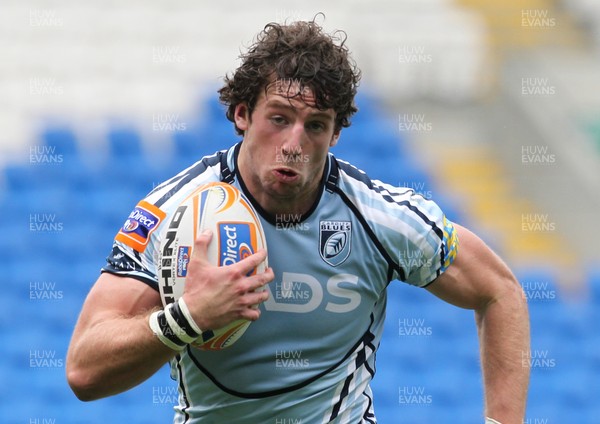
[
  {"x": 256, "y": 281},
  {"x": 250, "y": 314},
  {"x": 201, "y": 245},
  {"x": 249, "y": 264},
  {"x": 253, "y": 299}
]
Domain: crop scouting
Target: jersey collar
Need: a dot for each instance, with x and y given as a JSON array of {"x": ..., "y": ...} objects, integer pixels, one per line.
[{"x": 328, "y": 181}]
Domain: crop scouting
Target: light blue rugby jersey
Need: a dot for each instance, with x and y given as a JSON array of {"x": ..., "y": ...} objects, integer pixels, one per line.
[{"x": 311, "y": 355}]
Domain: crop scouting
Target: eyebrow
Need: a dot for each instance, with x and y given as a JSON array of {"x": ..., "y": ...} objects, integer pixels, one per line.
[{"x": 277, "y": 103}]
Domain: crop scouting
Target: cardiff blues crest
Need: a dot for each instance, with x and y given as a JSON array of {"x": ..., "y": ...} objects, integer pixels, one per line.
[{"x": 334, "y": 241}]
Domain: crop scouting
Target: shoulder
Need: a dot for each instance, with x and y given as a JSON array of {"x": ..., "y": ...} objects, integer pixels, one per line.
[
  {"x": 205, "y": 170},
  {"x": 142, "y": 227},
  {"x": 382, "y": 201},
  {"x": 412, "y": 229}
]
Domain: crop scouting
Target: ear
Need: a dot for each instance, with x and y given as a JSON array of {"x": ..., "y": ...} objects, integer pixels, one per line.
[
  {"x": 335, "y": 137},
  {"x": 242, "y": 116}
]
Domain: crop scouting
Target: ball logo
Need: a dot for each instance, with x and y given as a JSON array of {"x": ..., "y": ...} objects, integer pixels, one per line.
[
  {"x": 227, "y": 195},
  {"x": 237, "y": 240},
  {"x": 130, "y": 225},
  {"x": 183, "y": 258},
  {"x": 245, "y": 251}
]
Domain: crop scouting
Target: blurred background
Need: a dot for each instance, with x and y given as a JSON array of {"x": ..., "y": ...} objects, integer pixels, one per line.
[{"x": 490, "y": 108}]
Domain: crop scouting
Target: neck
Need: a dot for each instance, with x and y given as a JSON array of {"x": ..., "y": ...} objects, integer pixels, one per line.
[
  {"x": 296, "y": 203},
  {"x": 292, "y": 206}
]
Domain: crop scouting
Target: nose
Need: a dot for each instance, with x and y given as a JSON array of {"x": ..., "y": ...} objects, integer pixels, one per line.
[{"x": 294, "y": 140}]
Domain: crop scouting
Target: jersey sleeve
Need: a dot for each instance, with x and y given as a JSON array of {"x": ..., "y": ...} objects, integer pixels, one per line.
[
  {"x": 135, "y": 251},
  {"x": 134, "y": 248},
  {"x": 428, "y": 243},
  {"x": 127, "y": 262},
  {"x": 411, "y": 232}
]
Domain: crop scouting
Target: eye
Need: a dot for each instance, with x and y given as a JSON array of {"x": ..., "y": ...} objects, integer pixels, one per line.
[
  {"x": 316, "y": 126},
  {"x": 278, "y": 120}
]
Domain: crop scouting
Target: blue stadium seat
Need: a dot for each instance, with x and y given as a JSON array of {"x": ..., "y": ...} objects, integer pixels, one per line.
[
  {"x": 124, "y": 144},
  {"x": 110, "y": 206},
  {"x": 19, "y": 177},
  {"x": 449, "y": 321},
  {"x": 14, "y": 227},
  {"x": 35, "y": 176},
  {"x": 452, "y": 207},
  {"x": 589, "y": 348},
  {"x": 62, "y": 140},
  {"x": 594, "y": 285},
  {"x": 556, "y": 393},
  {"x": 84, "y": 178},
  {"x": 211, "y": 132},
  {"x": 187, "y": 145},
  {"x": 212, "y": 110},
  {"x": 409, "y": 295},
  {"x": 191, "y": 146},
  {"x": 371, "y": 110},
  {"x": 129, "y": 164},
  {"x": 533, "y": 274},
  {"x": 56, "y": 315}
]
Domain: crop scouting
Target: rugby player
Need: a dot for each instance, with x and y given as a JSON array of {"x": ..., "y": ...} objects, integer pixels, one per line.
[{"x": 289, "y": 100}]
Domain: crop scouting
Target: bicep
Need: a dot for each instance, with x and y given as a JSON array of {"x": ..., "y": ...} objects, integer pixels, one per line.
[
  {"x": 476, "y": 277},
  {"x": 114, "y": 296}
]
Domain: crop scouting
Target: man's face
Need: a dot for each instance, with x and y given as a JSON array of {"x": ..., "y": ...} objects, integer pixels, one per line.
[{"x": 285, "y": 147}]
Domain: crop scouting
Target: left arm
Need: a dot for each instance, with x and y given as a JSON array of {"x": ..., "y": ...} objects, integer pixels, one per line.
[{"x": 479, "y": 280}]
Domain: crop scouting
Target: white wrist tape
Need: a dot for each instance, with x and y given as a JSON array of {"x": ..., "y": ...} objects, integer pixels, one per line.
[
  {"x": 171, "y": 342},
  {"x": 188, "y": 316},
  {"x": 489, "y": 420},
  {"x": 174, "y": 325}
]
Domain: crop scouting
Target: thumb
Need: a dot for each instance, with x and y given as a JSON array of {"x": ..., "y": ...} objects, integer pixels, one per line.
[{"x": 201, "y": 245}]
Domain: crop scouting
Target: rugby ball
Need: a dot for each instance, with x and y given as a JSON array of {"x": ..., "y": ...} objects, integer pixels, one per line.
[{"x": 237, "y": 233}]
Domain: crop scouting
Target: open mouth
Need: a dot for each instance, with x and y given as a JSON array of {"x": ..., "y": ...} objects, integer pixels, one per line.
[{"x": 285, "y": 174}]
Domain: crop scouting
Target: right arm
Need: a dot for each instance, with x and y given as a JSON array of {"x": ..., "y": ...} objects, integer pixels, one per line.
[{"x": 113, "y": 348}]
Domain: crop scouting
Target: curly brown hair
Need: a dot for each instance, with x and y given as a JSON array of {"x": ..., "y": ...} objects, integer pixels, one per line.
[{"x": 299, "y": 52}]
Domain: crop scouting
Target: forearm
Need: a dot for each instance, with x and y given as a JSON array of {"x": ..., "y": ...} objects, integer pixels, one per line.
[
  {"x": 114, "y": 355},
  {"x": 503, "y": 327}
]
